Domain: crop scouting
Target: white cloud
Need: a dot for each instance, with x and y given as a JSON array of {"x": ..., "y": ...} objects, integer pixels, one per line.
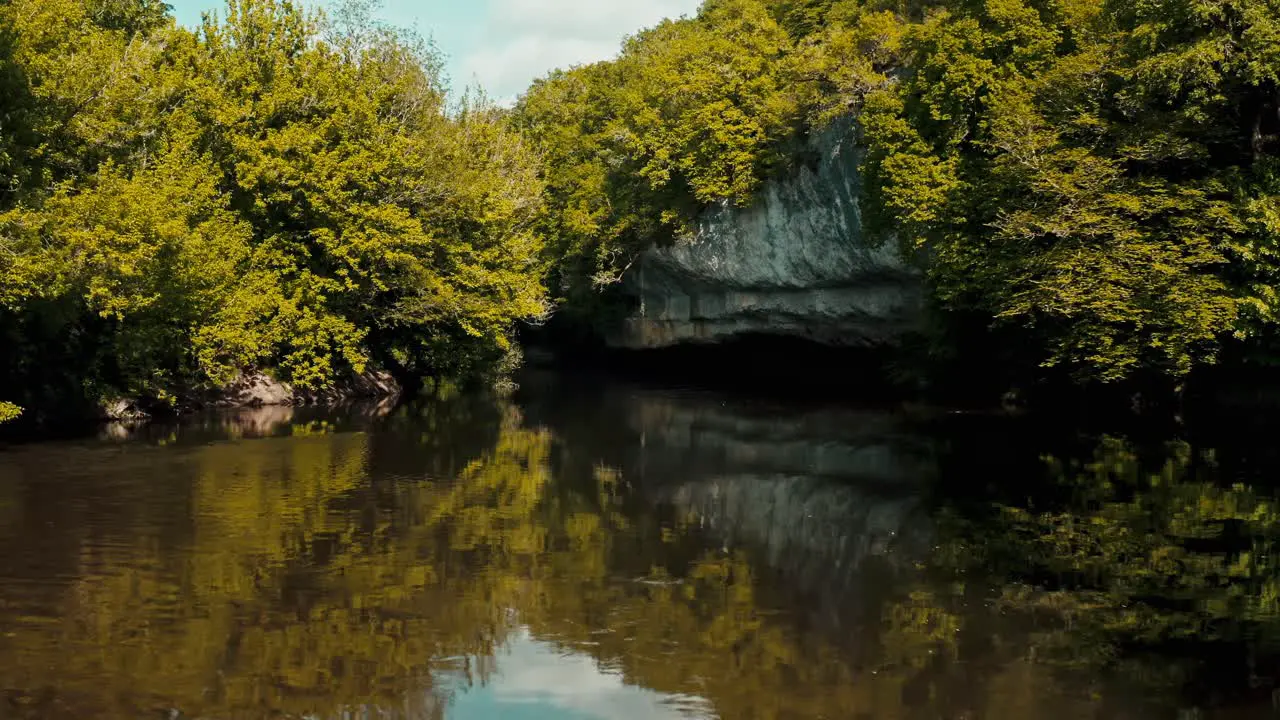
[{"x": 526, "y": 39}]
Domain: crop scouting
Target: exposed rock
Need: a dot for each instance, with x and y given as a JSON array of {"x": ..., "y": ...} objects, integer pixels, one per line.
[
  {"x": 796, "y": 262},
  {"x": 258, "y": 422},
  {"x": 369, "y": 385},
  {"x": 122, "y": 410},
  {"x": 376, "y": 389},
  {"x": 256, "y": 389}
]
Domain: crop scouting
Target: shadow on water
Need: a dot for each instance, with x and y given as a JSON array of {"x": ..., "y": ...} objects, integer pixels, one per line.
[{"x": 589, "y": 548}]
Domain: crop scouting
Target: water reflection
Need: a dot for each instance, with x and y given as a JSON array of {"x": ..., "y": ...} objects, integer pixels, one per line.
[
  {"x": 314, "y": 573},
  {"x": 604, "y": 551},
  {"x": 1138, "y": 567},
  {"x": 537, "y": 679}
]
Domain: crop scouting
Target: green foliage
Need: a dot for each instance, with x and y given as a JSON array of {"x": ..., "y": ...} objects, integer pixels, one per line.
[
  {"x": 692, "y": 113},
  {"x": 1096, "y": 178},
  {"x": 272, "y": 191},
  {"x": 1083, "y": 171},
  {"x": 9, "y": 411},
  {"x": 152, "y": 256}
]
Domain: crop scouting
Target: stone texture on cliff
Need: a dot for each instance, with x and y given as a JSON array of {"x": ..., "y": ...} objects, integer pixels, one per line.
[{"x": 795, "y": 262}]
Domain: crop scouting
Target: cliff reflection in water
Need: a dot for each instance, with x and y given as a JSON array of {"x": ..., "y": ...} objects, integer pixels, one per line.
[
  {"x": 404, "y": 567},
  {"x": 607, "y": 551}
]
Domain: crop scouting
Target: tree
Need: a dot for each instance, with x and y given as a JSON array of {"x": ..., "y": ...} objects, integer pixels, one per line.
[
  {"x": 1095, "y": 181},
  {"x": 693, "y": 113},
  {"x": 1077, "y": 171},
  {"x": 273, "y": 191}
]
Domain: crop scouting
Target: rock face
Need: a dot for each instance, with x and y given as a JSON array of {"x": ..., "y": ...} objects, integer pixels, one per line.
[
  {"x": 795, "y": 262},
  {"x": 258, "y": 389},
  {"x": 255, "y": 389}
]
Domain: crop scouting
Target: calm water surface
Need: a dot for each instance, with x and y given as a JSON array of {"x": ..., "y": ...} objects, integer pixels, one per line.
[{"x": 597, "y": 550}]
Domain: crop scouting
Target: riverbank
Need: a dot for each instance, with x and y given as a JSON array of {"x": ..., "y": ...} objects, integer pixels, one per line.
[{"x": 250, "y": 390}]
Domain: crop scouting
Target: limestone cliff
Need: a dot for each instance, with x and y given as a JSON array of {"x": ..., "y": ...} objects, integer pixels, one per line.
[{"x": 795, "y": 262}]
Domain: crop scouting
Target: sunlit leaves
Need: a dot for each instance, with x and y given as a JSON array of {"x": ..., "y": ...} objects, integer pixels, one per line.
[
  {"x": 1093, "y": 153},
  {"x": 272, "y": 191},
  {"x": 1089, "y": 175},
  {"x": 691, "y": 114}
]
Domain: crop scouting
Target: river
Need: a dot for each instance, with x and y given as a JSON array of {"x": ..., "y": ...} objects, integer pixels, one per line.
[{"x": 593, "y": 548}]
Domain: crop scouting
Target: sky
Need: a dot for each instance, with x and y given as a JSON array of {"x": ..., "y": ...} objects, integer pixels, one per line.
[{"x": 502, "y": 45}]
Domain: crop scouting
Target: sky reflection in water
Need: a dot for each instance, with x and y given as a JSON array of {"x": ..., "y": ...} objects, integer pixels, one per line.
[
  {"x": 621, "y": 552},
  {"x": 535, "y": 680}
]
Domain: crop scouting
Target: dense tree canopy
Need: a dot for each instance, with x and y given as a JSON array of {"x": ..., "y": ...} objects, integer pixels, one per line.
[
  {"x": 1100, "y": 174},
  {"x": 1099, "y": 178},
  {"x": 274, "y": 191},
  {"x": 1095, "y": 182},
  {"x": 693, "y": 112}
]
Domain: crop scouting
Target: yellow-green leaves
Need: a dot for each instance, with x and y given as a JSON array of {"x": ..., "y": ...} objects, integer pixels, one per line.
[
  {"x": 851, "y": 60},
  {"x": 281, "y": 191},
  {"x": 153, "y": 255},
  {"x": 1071, "y": 169},
  {"x": 9, "y": 411},
  {"x": 273, "y": 191},
  {"x": 692, "y": 113},
  {"x": 707, "y": 101}
]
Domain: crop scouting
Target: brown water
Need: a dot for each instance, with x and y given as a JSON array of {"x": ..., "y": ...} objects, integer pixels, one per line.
[{"x": 606, "y": 551}]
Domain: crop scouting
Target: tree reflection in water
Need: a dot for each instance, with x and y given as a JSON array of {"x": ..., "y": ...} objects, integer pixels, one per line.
[
  {"x": 1139, "y": 568},
  {"x": 448, "y": 558},
  {"x": 318, "y": 571}
]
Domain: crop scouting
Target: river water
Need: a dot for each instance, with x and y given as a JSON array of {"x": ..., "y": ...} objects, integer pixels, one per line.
[{"x": 597, "y": 549}]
